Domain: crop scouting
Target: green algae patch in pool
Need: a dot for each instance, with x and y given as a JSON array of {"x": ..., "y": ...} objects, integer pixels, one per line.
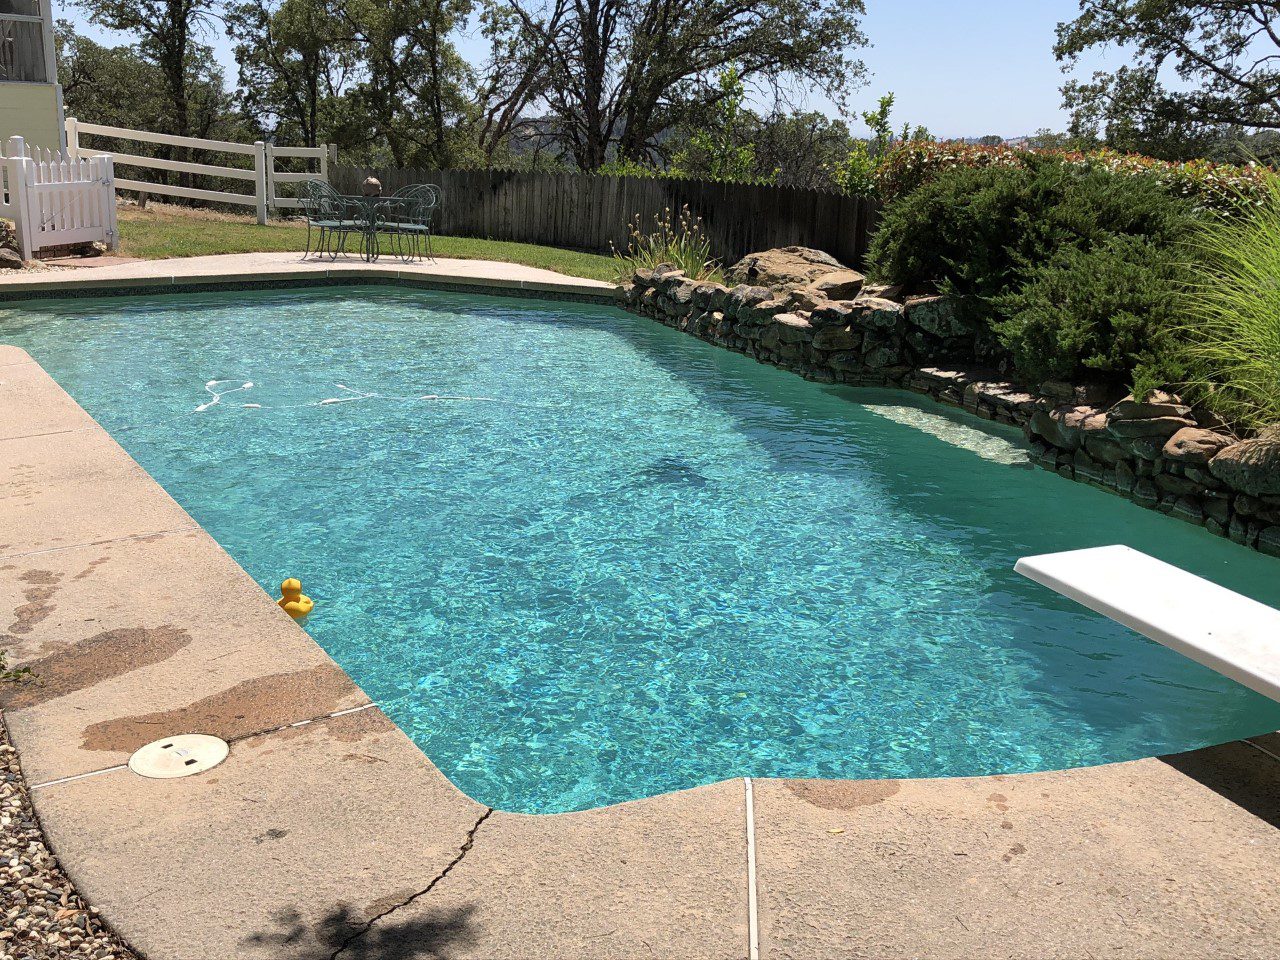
[{"x": 581, "y": 558}]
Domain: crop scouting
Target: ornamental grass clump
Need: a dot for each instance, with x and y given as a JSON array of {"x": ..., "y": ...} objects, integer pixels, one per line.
[
  {"x": 679, "y": 241},
  {"x": 1230, "y": 338}
]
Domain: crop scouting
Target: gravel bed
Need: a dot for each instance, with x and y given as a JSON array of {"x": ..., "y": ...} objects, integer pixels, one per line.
[{"x": 41, "y": 915}]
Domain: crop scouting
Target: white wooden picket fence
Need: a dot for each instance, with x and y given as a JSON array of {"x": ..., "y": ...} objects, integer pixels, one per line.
[
  {"x": 264, "y": 179},
  {"x": 56, "y": 199}
]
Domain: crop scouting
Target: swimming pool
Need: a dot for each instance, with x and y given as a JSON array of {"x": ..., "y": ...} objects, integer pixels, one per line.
[{"x": 581, "y": 558}]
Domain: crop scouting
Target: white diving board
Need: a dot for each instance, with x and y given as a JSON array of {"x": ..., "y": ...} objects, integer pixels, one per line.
[{"x": 1214, "y": 626}]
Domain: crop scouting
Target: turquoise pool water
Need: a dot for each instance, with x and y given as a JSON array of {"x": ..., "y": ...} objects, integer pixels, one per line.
[{"x": 632, "y": 562}]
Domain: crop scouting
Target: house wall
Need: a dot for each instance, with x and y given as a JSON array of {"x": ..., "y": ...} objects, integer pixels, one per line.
[{"x": 33, "y": 111}]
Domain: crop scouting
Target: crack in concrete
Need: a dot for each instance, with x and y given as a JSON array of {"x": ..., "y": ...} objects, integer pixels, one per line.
[{"x": 467, "y": 844}]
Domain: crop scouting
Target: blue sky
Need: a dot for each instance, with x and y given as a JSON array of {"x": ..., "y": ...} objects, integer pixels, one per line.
[{"x": 959, "y": 67}]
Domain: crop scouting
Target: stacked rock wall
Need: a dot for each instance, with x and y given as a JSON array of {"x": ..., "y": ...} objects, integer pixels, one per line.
[{"x": 827, "y": 325}]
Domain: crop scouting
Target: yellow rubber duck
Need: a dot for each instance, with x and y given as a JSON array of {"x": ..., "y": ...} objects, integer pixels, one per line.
[{"x": 292, "y": 600}]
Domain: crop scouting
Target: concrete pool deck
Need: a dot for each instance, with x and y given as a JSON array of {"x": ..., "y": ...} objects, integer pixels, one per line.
[
  {"x": 327, "y": 832},
  {"x": 284, "y": 269}
]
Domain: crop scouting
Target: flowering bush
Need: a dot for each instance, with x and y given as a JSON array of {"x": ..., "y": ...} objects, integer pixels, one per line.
[
  {"x": 909, "y": 166},
  {"x": 1209, "y": 186}
]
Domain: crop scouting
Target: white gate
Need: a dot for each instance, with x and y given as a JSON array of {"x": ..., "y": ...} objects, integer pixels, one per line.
[{"x": 55, "y": 200}]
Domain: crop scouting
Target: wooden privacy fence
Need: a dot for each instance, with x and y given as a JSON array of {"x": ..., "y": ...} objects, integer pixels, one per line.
[
  {"x": 54, "y": 199},
  {"x": 588, "y": 212}
]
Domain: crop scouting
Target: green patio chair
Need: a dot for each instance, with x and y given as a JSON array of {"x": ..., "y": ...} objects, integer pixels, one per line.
[
  {"x": 334, "y": 216},
  {"x": 407, "y": 217}
]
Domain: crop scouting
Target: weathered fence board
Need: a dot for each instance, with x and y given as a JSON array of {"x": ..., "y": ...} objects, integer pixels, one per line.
[{"x": 589, "y": 212}]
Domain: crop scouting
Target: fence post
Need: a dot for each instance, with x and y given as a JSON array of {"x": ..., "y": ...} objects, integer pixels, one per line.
[
  {"x": 270, "y": 167},
  {"x": 260, "y": 179},
  {"x": 16, "y": 161},
  {"x": 106, "y": 171},
  {"x": 73, "y": 138}
]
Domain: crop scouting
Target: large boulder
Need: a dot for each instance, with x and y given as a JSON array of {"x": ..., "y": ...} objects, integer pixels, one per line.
[
  {"x": 1193, "y": 445},
  {"x": 935, "y": 315},
  {"x": 877, "y": 314},
  {"x": 1252, "y": 467},
  {"x": 784, "y": 266},
  {"x": 836, "y": 338},
  {"x": 1062, "y": 427},
  {"x": 10, "y": 259},
  {"x": 1158, "y": 404},
  {"x": 1154, "y": 419},
  {"x": 833, "y": 313},
  {"x": 744, "y": 297},
  {"x": 838, "y": 285}
]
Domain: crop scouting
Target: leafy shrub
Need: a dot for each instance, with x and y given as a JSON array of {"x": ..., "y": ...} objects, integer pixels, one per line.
[
  {"x": 1100, "y": 314},
  {"x": 856, "y": 173},
  {"x": 679, "y": 241},
  {"x": 625, "y": 167},
  {"x": 1209, "y": 186},
  {"x": 1003, "y": 239},
  {"x": 1230, "y": 340}
]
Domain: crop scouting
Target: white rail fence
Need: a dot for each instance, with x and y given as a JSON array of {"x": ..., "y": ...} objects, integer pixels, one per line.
[
  {"x": 55, "y": 199},
  {"x": 262, "y": 177}
]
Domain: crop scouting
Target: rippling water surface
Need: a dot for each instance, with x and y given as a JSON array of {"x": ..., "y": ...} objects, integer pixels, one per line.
[{"x": 581, "y": 558}]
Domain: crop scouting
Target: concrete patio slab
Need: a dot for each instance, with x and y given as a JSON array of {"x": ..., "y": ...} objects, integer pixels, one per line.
[
  {"x": 10, "y": 355},
  {"x": 56, "y": 494},
  {"x": 282, "y": 852},
  {"x": 27, "y": 407},
  {"x": 257, "y": 268},
  {"x": 663, "y": 877},
  {"x": 137, "y": 639},
  {"x": 1174, "y": 858}
]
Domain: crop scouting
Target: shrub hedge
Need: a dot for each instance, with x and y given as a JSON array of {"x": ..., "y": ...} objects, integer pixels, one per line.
[
  {"x": 1069, "y": 270},
  {"x": 1209, "y": 186}
]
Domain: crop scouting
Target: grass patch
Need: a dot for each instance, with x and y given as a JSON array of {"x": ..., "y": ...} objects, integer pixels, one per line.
[{"x": 163, "y": 231}]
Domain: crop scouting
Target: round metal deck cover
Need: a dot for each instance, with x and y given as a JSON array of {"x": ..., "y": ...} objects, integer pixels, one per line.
[{"x": 182, "y": 756}]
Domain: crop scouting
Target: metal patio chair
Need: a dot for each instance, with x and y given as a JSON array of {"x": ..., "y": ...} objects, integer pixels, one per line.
[
  {"x": 334, "y": 216},
  {"x": 407, "y": 217}
]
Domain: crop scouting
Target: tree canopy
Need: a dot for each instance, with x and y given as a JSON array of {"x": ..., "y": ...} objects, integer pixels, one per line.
[{"x": 1195, "y": 72}]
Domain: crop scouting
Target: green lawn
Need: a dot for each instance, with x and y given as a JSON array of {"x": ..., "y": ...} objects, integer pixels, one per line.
[{"x": 155, "y": 234}]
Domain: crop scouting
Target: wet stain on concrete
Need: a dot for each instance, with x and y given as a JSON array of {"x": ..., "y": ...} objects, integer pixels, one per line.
[
  {"x": 88, "y": 571},
  {"x": 843, "y": 794},
  {"x": 42, "y": 586},
  {"x": 252, "y": 706},
  {"x": 348, "y": 728},
  {"x": 1016, "y": 850},
  {"x": 91, "y": 661}
]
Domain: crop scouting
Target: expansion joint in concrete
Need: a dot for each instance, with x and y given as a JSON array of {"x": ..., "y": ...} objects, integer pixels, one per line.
[{"x": 467, "y": 844}]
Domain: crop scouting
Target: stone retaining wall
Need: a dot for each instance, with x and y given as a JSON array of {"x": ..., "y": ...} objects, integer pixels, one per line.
[{"x": 830, "y": 327}]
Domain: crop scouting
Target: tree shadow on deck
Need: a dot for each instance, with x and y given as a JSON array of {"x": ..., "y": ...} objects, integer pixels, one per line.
[{"x": 341, "y": 934}]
